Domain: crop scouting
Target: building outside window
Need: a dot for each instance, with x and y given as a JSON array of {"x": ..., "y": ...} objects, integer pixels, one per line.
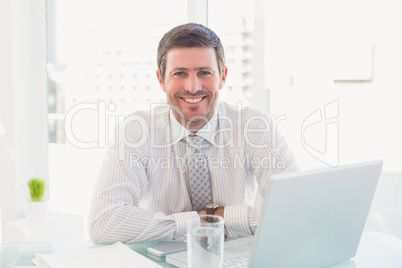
[{"x": 102, "y": 66}]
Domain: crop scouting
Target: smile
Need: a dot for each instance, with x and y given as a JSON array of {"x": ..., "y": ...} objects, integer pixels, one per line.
[{"x": 192, "y": 100}]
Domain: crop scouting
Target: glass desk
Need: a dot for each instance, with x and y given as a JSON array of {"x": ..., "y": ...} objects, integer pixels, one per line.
[
  {"x": 375, "y": 250},
  {"x": 12, "y": 254}
]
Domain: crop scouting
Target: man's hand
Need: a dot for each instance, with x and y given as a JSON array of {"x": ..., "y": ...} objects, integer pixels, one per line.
[
  {"x": 219, "y": 212},
  {"x": 202, "y": 212}
]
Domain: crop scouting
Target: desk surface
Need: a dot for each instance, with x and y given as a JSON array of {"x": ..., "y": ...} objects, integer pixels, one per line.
[
  {"x": 375, "y": 250},
  {"x": 10, "y": 254},
  {"x": 378, "y": 250}
]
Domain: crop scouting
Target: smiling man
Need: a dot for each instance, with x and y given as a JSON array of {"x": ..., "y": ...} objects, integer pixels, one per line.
[
  {"x": 193, "y": 155},
  {"x": 192, "y": 83}
]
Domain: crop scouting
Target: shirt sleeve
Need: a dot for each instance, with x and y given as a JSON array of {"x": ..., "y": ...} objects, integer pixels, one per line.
[
  {"x": 115, "y": 212},
  {"x": 270, "y": 155}
]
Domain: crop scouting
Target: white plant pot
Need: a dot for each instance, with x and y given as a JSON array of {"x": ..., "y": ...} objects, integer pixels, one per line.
[{"x": 36, "y": 211}]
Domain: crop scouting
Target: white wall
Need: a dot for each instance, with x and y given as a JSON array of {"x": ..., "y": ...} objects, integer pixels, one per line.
[
  {"x": 23, "y": 101},
  {"x": 312, "y": 43}
]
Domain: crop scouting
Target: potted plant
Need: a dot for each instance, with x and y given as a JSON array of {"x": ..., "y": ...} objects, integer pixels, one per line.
[
  {"x": 36, "y": 208},
  {"x": 37, "y": 189}
]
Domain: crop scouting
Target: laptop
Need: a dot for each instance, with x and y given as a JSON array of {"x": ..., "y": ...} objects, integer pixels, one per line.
[{"x": 309, "y": 219}]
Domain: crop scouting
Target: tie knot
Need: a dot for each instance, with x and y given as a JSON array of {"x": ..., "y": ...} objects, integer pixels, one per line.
[{"x": 197, "y": 142}]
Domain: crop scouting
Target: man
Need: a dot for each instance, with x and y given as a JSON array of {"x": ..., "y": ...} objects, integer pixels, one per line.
[{"x": 148, "y": 187}]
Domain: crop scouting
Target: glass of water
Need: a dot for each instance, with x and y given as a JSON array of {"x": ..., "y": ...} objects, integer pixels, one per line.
[{"x": 205, "y": 237}]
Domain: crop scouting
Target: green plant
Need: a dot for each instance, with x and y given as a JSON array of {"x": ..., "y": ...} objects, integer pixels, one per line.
[{"x": 37, "y": 189}]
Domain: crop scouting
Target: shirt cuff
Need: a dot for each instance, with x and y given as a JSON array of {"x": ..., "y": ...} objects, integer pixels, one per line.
[
  {"x": 181, "y": 223},
  {"x": 236, "y": 221}
]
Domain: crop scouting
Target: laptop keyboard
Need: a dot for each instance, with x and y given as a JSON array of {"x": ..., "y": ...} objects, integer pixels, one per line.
[{"x": 237, "y": 262}]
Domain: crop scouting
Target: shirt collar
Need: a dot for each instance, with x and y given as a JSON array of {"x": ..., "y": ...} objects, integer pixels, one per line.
[{"x": 208, "y": 132}]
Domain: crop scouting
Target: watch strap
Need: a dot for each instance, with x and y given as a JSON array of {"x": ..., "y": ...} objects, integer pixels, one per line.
[{"x": 210, "y": 210}]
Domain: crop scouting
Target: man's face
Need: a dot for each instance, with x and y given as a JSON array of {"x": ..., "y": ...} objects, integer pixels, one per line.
[{"x": 192, "y": 83}]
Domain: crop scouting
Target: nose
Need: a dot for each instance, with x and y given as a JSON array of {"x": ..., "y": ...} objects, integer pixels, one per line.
[{"x": 193, "y": 84}]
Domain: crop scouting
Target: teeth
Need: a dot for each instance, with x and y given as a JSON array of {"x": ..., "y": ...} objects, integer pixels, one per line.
[{"x": 192, "y": 100}]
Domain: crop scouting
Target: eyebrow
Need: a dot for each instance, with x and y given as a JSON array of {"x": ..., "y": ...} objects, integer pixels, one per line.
[{"x": 186, "y": 69}]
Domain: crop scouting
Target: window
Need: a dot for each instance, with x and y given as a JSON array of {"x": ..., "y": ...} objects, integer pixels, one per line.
[
  {"x": 107, "y": 52},
  {"x": 101, "y": 62},
  {"x": 101, "y": 66},
  {"x": 236, "y": 29}
]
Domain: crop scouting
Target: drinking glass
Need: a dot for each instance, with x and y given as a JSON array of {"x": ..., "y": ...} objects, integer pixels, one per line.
[{"x": 205, "y": 237}]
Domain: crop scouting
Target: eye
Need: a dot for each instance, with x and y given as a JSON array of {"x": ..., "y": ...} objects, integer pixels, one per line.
[
  {"x": 205, "y": 73},
  {"x": 179, "y": 74}
]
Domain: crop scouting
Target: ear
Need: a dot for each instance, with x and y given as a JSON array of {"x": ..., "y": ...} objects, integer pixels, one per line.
[
  {"x": 223, "y": 78},
  {"x": 158, "y": 75}
]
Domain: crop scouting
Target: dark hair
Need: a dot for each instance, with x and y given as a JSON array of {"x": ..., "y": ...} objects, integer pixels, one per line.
[{"x": 189, "y": 35}]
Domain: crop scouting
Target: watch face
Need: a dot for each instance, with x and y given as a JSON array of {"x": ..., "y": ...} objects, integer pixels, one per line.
[{"x": 214, "y": 206}]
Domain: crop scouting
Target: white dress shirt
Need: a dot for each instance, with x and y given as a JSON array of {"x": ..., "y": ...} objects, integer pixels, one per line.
[{"x": 143, "y": 191}]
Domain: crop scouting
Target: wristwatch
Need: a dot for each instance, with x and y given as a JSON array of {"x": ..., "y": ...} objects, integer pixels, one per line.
[{"x": 210, "y": 208}]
